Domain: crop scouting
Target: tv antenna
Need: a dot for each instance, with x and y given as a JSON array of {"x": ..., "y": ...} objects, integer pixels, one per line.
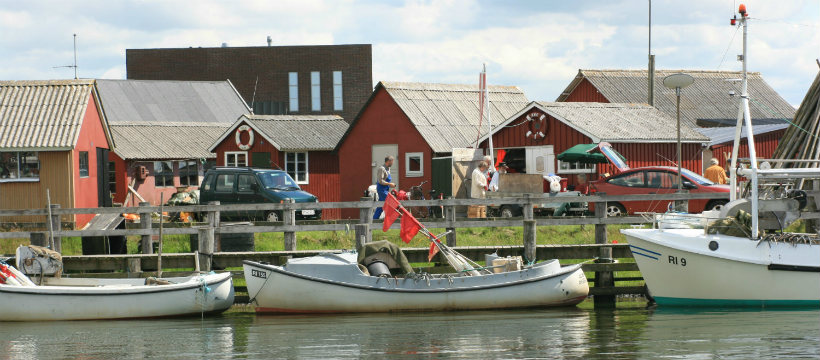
[{"x": 75, "y": 59}]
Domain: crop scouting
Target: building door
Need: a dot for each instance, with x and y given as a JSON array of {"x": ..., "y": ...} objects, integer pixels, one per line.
[
  {"x": 540, "y": 160},
  {"x": 103, "y": 182},
  {"x": 377, "y": 155},
  {"x": 260, "y": 160}
]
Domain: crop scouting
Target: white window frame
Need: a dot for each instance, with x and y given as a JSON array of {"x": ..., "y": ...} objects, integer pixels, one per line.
[
  {"x": 307, "y": 167},
  {"x": 576, "y": 170},
  {"x": 315, "y": 91},
  {"x": 338, "y": 104},
  {"x": 407, "y": 171},
  {"x": 228, "y": 153},
  {"x": 293, "y": 91}
]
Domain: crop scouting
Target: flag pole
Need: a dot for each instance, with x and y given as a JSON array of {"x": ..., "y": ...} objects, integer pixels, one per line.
[{"x": 489, "y": 121}]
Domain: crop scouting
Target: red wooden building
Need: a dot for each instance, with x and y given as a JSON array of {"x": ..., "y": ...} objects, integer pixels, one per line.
[
  {"x": 710, "y": 101},
  {"x": 722, "y": 141},
  {"x": 414, "y": 122},
  {"x": 53, "y": 137},
  {"x": 302, "y": 145},
  {"x": 163, "y": 130},
  {"x": 533, "y": 137}
]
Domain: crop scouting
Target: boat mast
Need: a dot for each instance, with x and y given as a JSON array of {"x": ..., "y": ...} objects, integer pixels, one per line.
[{"x": 744, "y": 118}]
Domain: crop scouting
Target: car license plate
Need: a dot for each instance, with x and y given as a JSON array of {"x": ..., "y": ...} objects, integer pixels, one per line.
[{"x": 308, "y": 212}]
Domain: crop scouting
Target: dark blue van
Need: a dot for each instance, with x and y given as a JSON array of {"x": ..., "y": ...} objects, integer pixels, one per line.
[{"x": 230, "y": 185}]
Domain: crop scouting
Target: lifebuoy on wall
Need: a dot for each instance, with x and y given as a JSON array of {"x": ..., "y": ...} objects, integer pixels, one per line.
[
  {"x": 239, "y": 143},
  {"x": 537, "y": 124}
]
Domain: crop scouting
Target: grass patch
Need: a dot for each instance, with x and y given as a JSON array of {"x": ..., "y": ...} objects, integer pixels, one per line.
[{"x": 332, "y": 240}]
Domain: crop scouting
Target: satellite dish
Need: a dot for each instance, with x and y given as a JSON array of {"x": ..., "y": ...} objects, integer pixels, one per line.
[{"x": 679, "y": 80}]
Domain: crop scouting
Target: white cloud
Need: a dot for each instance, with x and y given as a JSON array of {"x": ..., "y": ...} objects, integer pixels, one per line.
[{"x": 534, "y": 44}]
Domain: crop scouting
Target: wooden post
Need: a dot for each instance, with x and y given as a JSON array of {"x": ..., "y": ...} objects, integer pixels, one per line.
[
  {"x": 366, "y": 214},
  {"x": 206, "y": 247},
  {"x": 145, "y": 223},
  {"x": 527, "y": 208},
  {"x": 213, "y": 221},
  {"x": 530, "y": 232},
  {"x": 56, "y": 226},
  {"x": 134, "y": 267},
  {"x": 38, "y": 239},
  {"x": 289, "y": 217},
  {"x": 363, "y": 235},
  {"x": 603, "y": 279},
  {"x": 450, "y": 216}
]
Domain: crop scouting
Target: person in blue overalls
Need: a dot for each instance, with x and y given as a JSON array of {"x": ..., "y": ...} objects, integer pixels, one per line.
[{"x": 384, "y": 182}]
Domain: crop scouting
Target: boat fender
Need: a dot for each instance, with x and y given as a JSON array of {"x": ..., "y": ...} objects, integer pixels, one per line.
[
  {"x": 713, "y": 245},
  {"x": 7, "y": 277}
]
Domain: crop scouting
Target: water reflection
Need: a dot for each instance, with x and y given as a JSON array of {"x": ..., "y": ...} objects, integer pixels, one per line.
[{"x": 559, "y": 334}]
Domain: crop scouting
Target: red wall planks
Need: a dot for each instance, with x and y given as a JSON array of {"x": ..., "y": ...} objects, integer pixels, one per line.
[
  {"x": 380, "y": 122},
  {"x": 765, "y": 144},
  {"x": 91, "y": 137},
  {"x": 323, "y": 169},
  {"x": 562, "y": 137}
]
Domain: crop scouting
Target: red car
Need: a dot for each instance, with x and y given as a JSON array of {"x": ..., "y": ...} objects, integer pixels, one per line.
[{"x": 656, "y": 180}]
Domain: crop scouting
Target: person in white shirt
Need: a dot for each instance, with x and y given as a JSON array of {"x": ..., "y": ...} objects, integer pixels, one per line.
[
  {"x": 502, "y": 169},
  {"x": 479, "y": 181}
]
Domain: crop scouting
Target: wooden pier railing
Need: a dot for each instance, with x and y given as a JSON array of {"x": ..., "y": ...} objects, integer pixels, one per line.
[{"x": 605, "y": 254}]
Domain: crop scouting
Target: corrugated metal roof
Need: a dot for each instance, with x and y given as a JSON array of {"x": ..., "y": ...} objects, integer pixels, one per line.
[
  {"x": 707, "y": 98},
  {"x": 169, "y": 140},
  {"x": 616, "y": 122},
  {"x": 446, "y": 115},
  {"x": 720, "y": 135},
  {"x": 298, "y": 132},
  {"x": 170, "y": 101},
  {"x": 42, "y": 114}
]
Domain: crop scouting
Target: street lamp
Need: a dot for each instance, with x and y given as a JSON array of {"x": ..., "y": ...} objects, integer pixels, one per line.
[{"x": 678, "y": 81}]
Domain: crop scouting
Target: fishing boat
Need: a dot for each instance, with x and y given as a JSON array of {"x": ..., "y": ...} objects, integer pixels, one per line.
[
  {"x": 378, "y": 278},
  {"x": 64, "y": 298},
  {"x": 743, "y": 258}
]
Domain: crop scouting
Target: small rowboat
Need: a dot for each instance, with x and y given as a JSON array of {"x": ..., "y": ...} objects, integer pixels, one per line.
[
  {"x": 334, "y": 283},
  {"x": 91, "y": 299}
]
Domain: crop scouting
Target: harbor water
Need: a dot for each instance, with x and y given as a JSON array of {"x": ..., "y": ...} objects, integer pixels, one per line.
[{"x": 574, "y": 333}]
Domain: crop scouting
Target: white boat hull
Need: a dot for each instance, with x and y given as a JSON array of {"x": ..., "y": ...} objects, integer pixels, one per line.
[
  {"x": 275, "y": 289},
  {"x": 89, "y": 299},
  {"x": 680, "y": 268}
]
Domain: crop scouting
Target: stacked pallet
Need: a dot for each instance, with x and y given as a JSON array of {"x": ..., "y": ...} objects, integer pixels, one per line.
[{"x": 802, "y": 139}]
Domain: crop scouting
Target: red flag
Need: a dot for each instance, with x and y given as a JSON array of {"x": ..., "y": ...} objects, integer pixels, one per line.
[
  {"x": 390, "y": 212},
  {"x": 433, "y": 250},
  {"x": 409, "y": 227}
]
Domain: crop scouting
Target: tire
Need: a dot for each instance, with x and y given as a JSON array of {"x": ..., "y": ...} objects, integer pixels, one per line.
[
  {"x": 273, "y": 216},
  {"x": 715, "y": 205},
  {"x": 506, "y": 212},
  {"x": 615, "y": 209}
]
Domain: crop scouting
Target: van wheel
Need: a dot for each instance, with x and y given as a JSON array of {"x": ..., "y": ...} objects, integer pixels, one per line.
[
  {"x": 272, "y": 216},
  {"x": 506, "y": 212},
  {"x": 615, "y": 209}
]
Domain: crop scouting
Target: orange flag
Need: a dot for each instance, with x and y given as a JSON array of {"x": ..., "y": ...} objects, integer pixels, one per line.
[
  {"x": 390, "y": 211},
  {"x": 433, "y": 250},
  {"x": 409, "y": 227}
]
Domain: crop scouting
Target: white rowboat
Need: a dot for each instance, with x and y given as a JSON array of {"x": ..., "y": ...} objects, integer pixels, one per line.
[
  {"x": 89, "y": 299},
  {"x": 333, "y": 283}
]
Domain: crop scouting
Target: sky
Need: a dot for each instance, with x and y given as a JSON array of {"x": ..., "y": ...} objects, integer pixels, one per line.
[{"x": 536, "y": 45}]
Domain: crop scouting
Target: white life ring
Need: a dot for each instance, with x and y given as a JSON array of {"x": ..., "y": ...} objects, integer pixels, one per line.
[
  {"x": 537, "y": 124},
  {"x": 239, "y": 143}
]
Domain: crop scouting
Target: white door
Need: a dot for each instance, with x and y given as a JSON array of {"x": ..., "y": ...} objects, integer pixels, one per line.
[
  {"x": 377, "y": 156},
  {"x": 540, "y": 160}
]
